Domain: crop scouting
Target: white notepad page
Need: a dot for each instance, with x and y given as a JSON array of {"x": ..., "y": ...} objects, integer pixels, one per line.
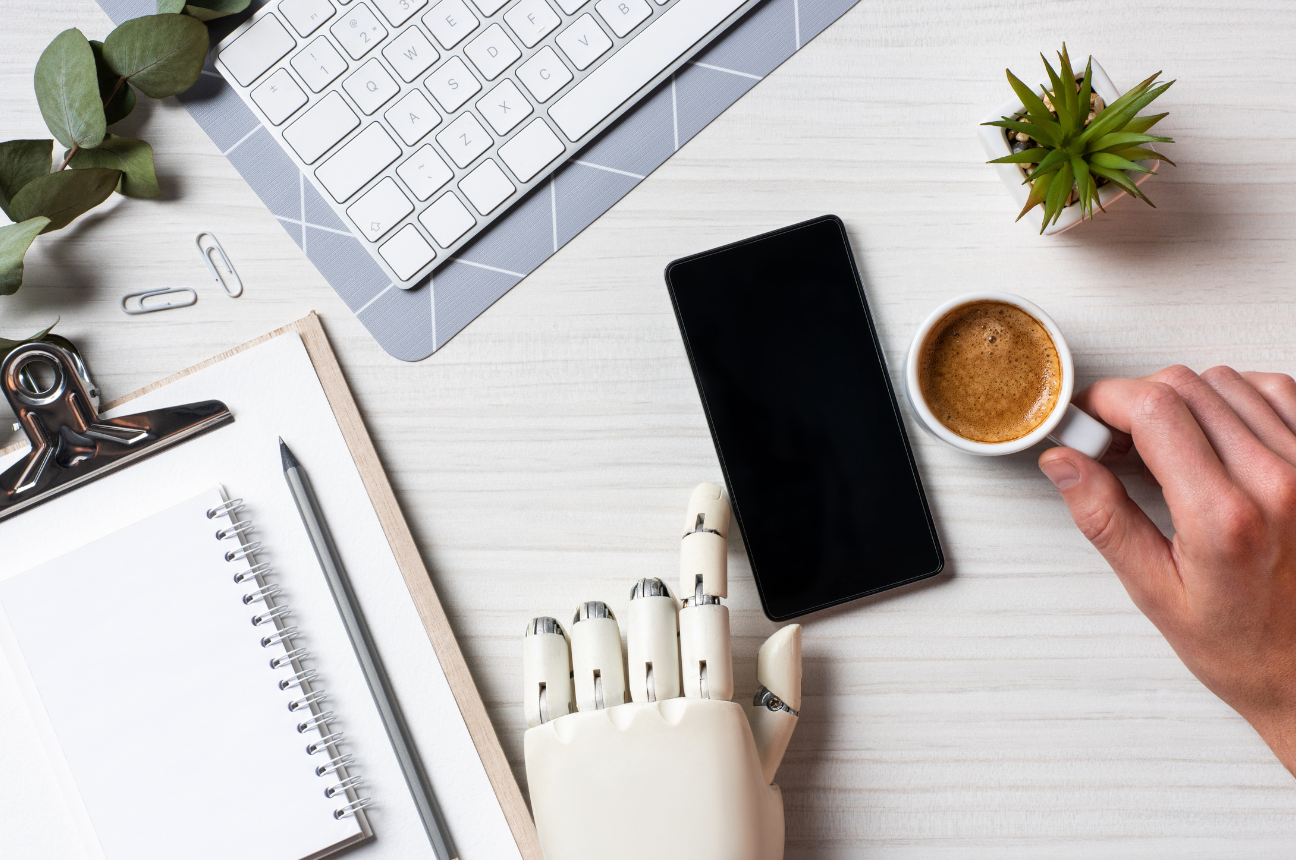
[
  {"x": 273, "y": 391},
  {"x": 166, "y": 711}
]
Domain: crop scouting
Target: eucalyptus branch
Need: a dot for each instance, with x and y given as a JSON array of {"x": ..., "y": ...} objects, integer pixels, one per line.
[{"x": 76, "y": 147}]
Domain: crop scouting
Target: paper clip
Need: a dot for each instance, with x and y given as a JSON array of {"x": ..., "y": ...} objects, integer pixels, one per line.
[
  {"x": 231, "y": 283},
  {"x": 139, "y": 306}
]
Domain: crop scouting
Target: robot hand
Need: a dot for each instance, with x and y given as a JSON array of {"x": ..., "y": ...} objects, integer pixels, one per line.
[{"x": 658, "y": 762}]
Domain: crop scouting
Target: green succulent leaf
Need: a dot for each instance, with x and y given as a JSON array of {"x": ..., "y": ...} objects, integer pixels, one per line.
[
  {"x": 1035, "y": 108},
  {"x": 63, "y": 196},
  {"x": 1026, "y": 156},
  {"x": 1066, "y": 73},
  {"x": 1141, "y": 124},
  {"x": 161, "y": 55},
  {"x": 1119, "y": 113},
  {"x": 1086, "y": 89},
  {"x": 1059, "y": 98},
  {"x": 1121, "y": 180},
  {"x": 8, "y": 345},
  {"x": 1050, "y": 161},
  {"x": 1112, "y": 161},
  {"x": 1138, "y": 153},
  {"x": 1124, "y": 139},
  {"x": 123, "y": 99},
  {"x": 1035, "y": 198},
  {"x": 68, "y": 93},
  {"x": 1035, "y": 132},
  {"x": 133, "y": 157},
  {"x": 15, "y": 239},
  {"x": 1059, "y": 190},
  {"x": 1083, "y": 185},
  {"x": 21, "y": 161}
]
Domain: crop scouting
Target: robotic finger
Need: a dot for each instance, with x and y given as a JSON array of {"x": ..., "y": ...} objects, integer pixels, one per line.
[
  {"x": 652, "y": 640},
  {"x": 546, "y": 672},
  {"x": 706, "y": 659},
  {"x": 599, "y": 672}
]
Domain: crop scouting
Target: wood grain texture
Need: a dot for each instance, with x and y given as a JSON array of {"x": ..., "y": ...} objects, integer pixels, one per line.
[{"x": 1018, "y": 706}]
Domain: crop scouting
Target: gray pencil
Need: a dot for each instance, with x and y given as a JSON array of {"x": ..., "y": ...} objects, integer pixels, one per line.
[{"x": 362, "y": 642}]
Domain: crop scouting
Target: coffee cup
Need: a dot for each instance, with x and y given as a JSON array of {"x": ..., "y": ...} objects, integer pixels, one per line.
[{"x": 976, "y": 317}]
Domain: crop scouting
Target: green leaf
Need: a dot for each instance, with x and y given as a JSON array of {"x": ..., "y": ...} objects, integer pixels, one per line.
[
  {"x": 1029, "y": 129},
  {"x": 7, "y": 345},
  {"x": 1066, "y": 73},
  {"x": 1059, "y": 190},
  {"x": 21, "y": 161},
  {"x": 1122, "y": 139},
  {"x": 1138, "y": 153},
  {"x": 161, "y": 55},
  {"x": 133, "y": 157},
  {"x": 1027, "y": 156},
  {"x": 15, "y": 239},
  {"x": 1048, "y": 162},
  {"x": 170, "y": 7},
  {"x": 68, "y": 92},
  {"x": 123, "y": 97},
  {"x": 210, "y": 10},
  {"x": 1120, "y": 112},
  {"x": 63, "y": 196},
  {"x": 1039, "y": 114},
  {"x": 1141, "y": 124},
  {"x": 1086, "y": 90},
  {"x": 1061, "y": 103},
  {"x": 1035, "y": 198},
  {"x": 1111, "y": 161},
  {"x": 1082, "y": 183},
  {"x": 1120, "y": 179}
]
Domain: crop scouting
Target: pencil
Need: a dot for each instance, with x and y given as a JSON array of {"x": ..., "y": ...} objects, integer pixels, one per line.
[{"x": 362, "y": 642}]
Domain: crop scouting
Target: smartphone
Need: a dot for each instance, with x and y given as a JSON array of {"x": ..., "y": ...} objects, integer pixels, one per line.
[{"x": 821, "y": 477}]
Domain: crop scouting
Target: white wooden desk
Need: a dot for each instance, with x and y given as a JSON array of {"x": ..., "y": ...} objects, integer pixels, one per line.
[{"x": 1018, "y": 706}]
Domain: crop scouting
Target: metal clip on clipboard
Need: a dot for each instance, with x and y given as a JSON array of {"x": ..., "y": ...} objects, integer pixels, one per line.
[{"x": 70, "y": 444}]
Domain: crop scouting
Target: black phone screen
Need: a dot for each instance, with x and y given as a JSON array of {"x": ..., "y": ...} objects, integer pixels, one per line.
[{"x": 821, "y": 477}]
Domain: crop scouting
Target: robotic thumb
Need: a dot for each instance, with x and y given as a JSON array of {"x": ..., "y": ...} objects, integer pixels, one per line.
[{"x": 773, "y": 713}]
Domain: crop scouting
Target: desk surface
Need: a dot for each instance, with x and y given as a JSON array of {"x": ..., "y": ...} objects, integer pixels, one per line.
[{"x": 1018, "y": 706}]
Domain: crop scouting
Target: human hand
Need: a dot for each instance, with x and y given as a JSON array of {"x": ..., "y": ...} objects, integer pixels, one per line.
[
  {"x": 1223, "y": 591},
  {"x": 661, "y": 776}
]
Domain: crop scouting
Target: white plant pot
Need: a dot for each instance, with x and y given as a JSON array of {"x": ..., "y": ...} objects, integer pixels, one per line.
[{"x": 996, "y": 146}]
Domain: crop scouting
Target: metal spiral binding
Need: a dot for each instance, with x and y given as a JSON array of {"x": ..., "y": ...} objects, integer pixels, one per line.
[{"x": 318, "y": 720}]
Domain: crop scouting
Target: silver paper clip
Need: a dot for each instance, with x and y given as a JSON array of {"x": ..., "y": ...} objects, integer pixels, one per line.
[
  {"x": 230, "y": 282},
  {"x": 139, "y": 307}
]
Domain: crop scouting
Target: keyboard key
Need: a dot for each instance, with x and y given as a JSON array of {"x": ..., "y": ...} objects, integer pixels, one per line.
[
  {"x": 490, "y": 7},
  {"x": 532, "y": 20},
  {"x": 452, "y": 84},
  {"x": 504, "y": 107},
  {"x": 260, "y": 47},
  {"x": 447, "y": 220},
  {"x": 530, "y": 150},
  {"x": 487, "y": 186},
  {"x": 464, "y": 139},
  {"x": 319, "y": 64},
  {"x": 424, "y": 172},
  {"x": 380, "y": 209},
  {"x": 570, "y": 6},
  {"x": 407, "y": 252},
  {"x": 412, "y": 117},
  {"x": 279, "y": 97},
  {"x": 361, "y": 159},
  {"x": 544, "y": 74},
  {"x": 320, "y": 127},
  {"x": 371, "y": 86},
  {"x": 450, "y": 21},
  {"x": 492, "y": 52},
  {"x": 399, "y": 11},
  {"x": 358, "y": 31},
  {"x": 636, "y": 63},
  {"x": 583, "y": 42},
  {"x": 623, "y": 15},
  {"x": 410, "y": 54},
  {"x": 306, "y": 16}
]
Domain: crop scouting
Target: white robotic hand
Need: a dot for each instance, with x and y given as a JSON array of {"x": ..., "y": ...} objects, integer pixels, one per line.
[{"x": 659, "y": 775}]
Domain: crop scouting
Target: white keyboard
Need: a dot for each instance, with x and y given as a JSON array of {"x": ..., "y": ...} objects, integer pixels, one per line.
[{"x": 422, "y": 121}]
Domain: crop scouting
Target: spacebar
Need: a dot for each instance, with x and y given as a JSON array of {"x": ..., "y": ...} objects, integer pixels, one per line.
[{"x": 638, "y": 62}]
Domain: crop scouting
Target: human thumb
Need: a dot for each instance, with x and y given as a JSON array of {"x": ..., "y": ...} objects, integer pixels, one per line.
[
  {"x": 1116, "y": 526},
  {"x": 773, "y": 714}
]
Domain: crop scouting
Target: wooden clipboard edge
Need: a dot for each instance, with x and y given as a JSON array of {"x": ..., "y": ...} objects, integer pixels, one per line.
[{"x": 407, "y": 559}]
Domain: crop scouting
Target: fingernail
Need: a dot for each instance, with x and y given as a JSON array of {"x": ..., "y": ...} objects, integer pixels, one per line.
[{"x": 1063, "y": 475}]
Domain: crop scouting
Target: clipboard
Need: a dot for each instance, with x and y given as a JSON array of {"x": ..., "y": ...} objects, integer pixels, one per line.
[{"x": 407, "y": 558}]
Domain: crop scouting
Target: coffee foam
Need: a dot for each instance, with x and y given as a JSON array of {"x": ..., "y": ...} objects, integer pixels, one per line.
[{"x": 990, "y": 372}]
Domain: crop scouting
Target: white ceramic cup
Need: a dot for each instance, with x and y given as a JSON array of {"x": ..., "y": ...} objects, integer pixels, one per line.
[{"x": 1065, "y": 425}]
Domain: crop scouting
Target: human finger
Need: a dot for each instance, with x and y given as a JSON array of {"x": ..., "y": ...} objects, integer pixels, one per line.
[
  {"x": 706, "y": 656},
  {"x": 546, "y": 672},
  {"x": 1121, "y": 442},
  {"x": 1117, "y": 527},
  {"x": 597, "y": 670},
  {"x": 652, "y": 642},
  {"x": 1250, "y": 406},
  {"x": 1234, "y": 443},
  {"x": 1279, "y": 390},
  {"x": 774, "y": 711},
  {"x": 1170, "y": 442}
]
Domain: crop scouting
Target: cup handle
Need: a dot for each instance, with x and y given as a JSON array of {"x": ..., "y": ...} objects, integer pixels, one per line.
[{"x": 1077, "y": 430}]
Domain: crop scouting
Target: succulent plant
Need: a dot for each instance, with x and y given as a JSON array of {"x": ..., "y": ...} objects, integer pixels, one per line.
[{"x": 1073, "y": 151}]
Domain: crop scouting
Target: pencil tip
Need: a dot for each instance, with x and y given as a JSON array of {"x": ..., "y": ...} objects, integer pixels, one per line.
[{"x": 289, "y": 461}]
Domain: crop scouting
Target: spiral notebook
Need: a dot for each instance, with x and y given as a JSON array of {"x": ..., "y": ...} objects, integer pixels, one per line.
[
  {"x": 139, "y": 712},
  {"x": 172, "y": 684}
]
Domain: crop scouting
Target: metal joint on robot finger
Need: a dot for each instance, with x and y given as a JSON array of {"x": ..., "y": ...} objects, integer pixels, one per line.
[
  {"x": 766, "y": 699},
  {"x": 592, "y": 609},
  {"x": 650, "y": 587},
  {"x": 544, "y": 624},
  {"x": 700, "y": 597}
]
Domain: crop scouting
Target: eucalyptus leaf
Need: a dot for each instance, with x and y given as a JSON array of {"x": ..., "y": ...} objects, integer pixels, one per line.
[
  {"x": 15, "y": 239},
  {"x": 210, "y": 10},
  {"x": 160, "y": 55},
  {"x": 170, "y": 7},
  {"x": 133, "y": 157},
  {"x": 64, "y": 195},
  {"x": 8, "y": 345},
  {"x": 21, "y": 161},
  {"x": 122, "y": 102},
  {"x": 68, "y": 92}
]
